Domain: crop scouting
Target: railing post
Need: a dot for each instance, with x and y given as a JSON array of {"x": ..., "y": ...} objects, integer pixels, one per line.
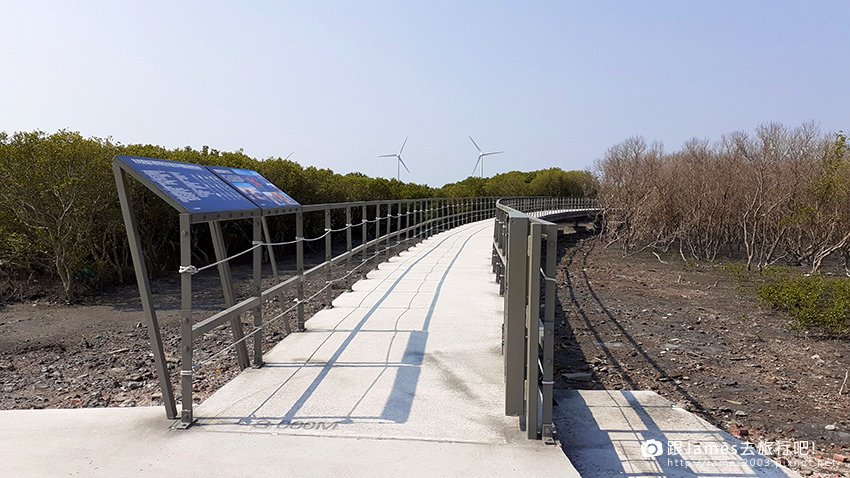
[
  {"x": 299, "y": 266},
  {"x": 186, "y": 358},
  {"x": 398, "y": 223},
  {"x": 389, "y": 219},
  {"x": 328, "y": 257},
  {"x": 494, "y": 260},
  {"x": 407, "y": 218},
  {"x": 454, "y": 214},
  {"x": 533, "y": 330},
  {"x": 412, "y": 221},
  {"x": 444, "y": 222},
  {"x": 547, "y": 380},
  {"x": 258, "y": 290},
  {"x": 364, "y": 235},
  {"x": 513, "y": 327},
  {"x": 348, "y": 228},
  {"x": 377, "y": 230}
]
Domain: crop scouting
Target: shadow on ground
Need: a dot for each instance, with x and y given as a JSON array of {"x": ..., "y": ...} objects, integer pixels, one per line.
[{"x": 621, "y": 431}]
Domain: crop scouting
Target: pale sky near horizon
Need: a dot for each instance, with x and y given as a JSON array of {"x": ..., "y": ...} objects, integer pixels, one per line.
[{"x": 551, "y": 83}]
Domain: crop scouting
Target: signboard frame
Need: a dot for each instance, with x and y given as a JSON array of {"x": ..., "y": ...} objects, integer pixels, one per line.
[{"x": 122, "y": 168}]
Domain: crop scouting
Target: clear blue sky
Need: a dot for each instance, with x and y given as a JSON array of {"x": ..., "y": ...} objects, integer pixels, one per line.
[{"x": 551, "y": 83}]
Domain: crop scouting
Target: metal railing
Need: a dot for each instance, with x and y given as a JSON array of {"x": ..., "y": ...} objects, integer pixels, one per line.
[
  {"x": 520, "y": 239},
  {"x": 385, "y": 226},
  {"x": 391, "y": 224}
]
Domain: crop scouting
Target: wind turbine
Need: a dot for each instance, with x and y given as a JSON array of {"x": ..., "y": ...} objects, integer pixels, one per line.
[
  {"x": 400, "y": 162},
  {"x": 481, "y": 155}
]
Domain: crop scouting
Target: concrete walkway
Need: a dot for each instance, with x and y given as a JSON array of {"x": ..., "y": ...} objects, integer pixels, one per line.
[
  {"x": 404, "y": 375},
  {"x": 607, "y": 433}
]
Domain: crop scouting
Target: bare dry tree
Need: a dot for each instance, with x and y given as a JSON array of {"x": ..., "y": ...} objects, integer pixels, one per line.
[{"x": 778, "y": 194}]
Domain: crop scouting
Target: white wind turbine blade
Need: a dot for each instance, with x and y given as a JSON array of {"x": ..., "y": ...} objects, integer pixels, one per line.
[
  {"x": 402, "y": 163},
  {"x": 491, "y": 153},
  {"x": 402, "y": 146},
  {"x": 289, "y": 155},
  {"x": 476, "y": 144},
  {"x": 388, "y": 156},
  {"x": 476, "y": 164}
]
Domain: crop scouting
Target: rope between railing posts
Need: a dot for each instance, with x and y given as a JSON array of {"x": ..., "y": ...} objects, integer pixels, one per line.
[
  {"x": 340, "y": 229},
  {"x": 285, "y": 243},
  {"x": 191, "y": 269}
]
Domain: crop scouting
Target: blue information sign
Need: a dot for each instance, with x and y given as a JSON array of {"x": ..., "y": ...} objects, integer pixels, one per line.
[
  {"x": 192, "y": 186},
  {"x": 255, "y": 187}
]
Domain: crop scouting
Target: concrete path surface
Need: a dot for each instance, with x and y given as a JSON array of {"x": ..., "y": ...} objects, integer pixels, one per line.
[
  {"x": 608, "y": 433},
  {"x": 403, "y": 375}
]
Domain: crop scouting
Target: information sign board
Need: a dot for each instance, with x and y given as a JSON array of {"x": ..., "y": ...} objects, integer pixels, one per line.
[
  {"x": 255, "y": 187},
  {"x": 195, "y": 188}
]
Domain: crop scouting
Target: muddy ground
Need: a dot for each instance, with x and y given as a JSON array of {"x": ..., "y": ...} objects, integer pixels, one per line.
[
  {"x": 97, "y": 353},
  {"x": 695, "y": 337}
]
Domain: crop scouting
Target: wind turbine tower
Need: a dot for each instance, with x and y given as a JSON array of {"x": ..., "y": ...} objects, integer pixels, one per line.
[{"x": 481, "y": 155}]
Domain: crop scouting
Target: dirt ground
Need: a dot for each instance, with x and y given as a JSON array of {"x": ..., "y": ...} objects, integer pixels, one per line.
[
  {"x": 693, "y": 336},
  {"x": 97, "y": 353}
]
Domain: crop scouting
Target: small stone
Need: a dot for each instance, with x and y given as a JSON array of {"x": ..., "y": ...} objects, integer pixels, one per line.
[
  {"x": 831, "y": 428},
  {"x": 740, "y": 413},
  {"x": 841, "y": 458}
]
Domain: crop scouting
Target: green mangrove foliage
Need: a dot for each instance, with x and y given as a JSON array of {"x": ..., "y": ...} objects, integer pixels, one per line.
[{"x": 60, "y": 219}]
